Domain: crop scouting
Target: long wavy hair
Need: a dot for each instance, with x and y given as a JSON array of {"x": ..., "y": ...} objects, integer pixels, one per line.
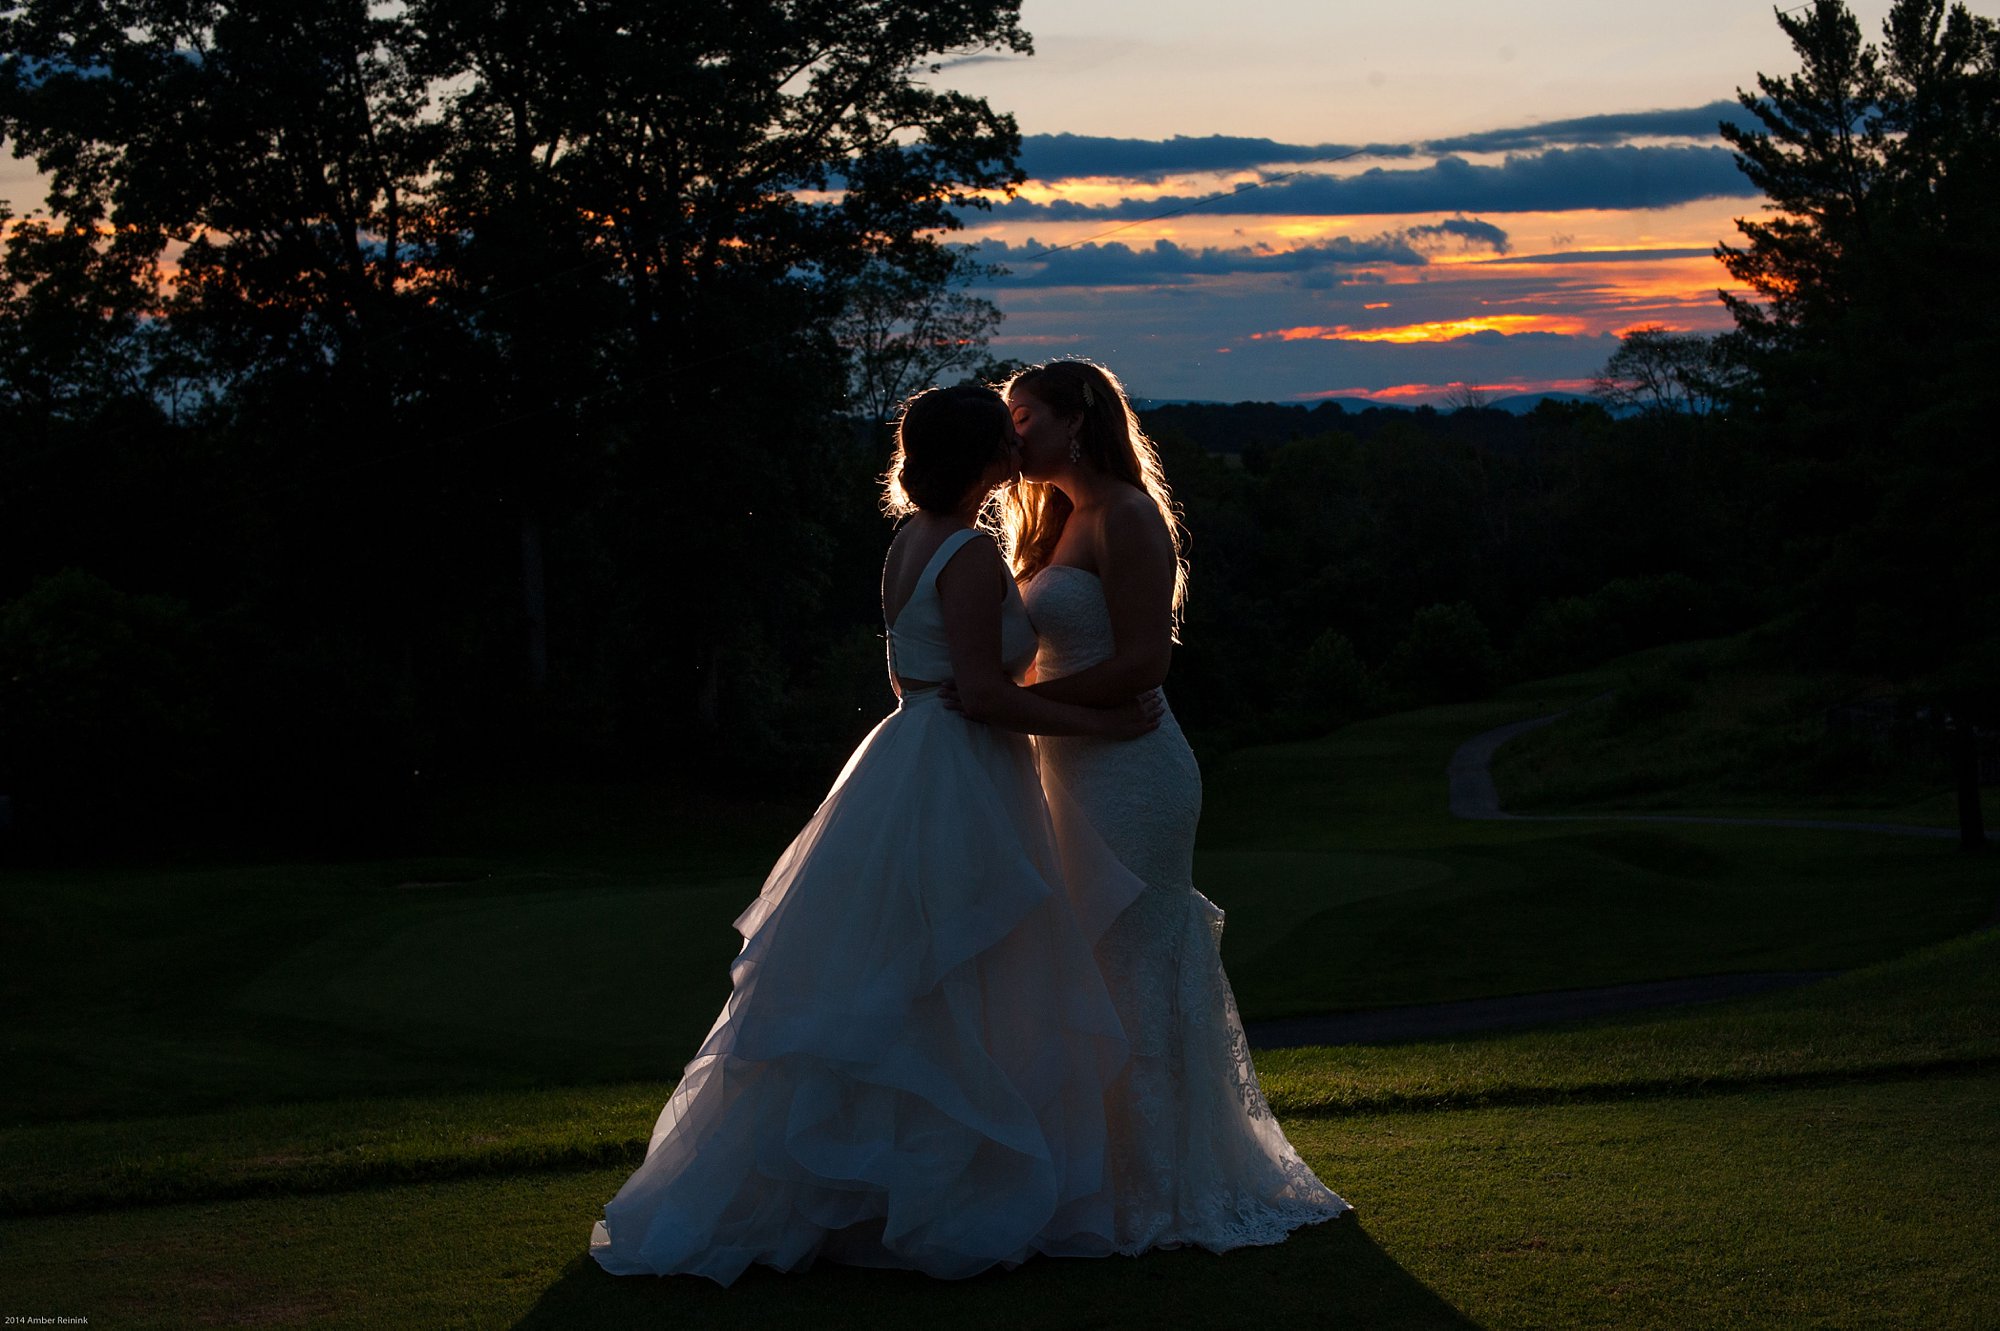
[{"x": 1032, "y": 513}]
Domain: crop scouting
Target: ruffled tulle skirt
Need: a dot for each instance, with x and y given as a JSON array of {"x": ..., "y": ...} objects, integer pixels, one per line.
[{"x": 912, "y": 1067}]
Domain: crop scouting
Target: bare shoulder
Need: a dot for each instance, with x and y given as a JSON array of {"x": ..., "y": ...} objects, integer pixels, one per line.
[
  {"x": 898, "y": 555},
  {"x": 976, "y": 561},
  {"x": 1130, "y": 523},
  {"x": 909, "y": 550},
  {"x": 912, "y": 549}
]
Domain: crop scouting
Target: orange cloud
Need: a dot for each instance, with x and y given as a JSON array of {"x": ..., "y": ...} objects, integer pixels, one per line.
[
  {"x": 1439, "y": 331},
  {"x": 1319, "y": 332},
  {"x": 1406, "y": 394},
  {"x": 1699, "y": 224},
  {"x": 1105, "y": 191}
]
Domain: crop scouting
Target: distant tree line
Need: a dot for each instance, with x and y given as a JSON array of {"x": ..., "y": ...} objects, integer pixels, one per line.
[{"x": 1346, "y": 562}]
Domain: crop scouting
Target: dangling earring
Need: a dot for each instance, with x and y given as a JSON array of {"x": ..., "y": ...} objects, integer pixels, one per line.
[{"x": 1075, "y": 451}]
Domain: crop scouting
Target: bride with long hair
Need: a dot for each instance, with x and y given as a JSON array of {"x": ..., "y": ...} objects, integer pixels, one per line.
[
  {"x": 1195, "y": 1154},
  {"x": 913, "y": 1066}
]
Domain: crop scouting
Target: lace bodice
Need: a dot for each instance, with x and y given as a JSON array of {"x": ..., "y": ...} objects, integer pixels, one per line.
[
  {"x": 1066, "y": 605},
  {"x": 917, "y": 646}
]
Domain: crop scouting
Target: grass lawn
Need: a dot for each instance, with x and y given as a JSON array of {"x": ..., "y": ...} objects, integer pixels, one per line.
[
  {"x": 396, "y": 1093},
  {"x": 1857, "y": 1205},
  {"x": 1933, "y": 1012}
]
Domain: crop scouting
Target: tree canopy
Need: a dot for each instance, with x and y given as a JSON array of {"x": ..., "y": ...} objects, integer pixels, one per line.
[
  {"x": 475, "y": 353},
  {"x": 1866, "y": 340},
  {"x": 1882, "y": 169}
]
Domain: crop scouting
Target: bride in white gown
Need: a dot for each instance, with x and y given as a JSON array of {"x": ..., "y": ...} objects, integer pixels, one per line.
[
  {"x": 1196, "y": 1156},
  {"x": 913, "y": 1065}
]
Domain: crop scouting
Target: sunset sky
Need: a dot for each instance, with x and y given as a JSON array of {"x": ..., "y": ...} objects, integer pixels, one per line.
[
  {"x": 1542, "y": 175},
  {"x": 1537, "y": 176}
]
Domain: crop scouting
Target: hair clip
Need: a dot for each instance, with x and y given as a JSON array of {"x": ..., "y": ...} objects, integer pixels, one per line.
[{"x": 1089, "y": 398}]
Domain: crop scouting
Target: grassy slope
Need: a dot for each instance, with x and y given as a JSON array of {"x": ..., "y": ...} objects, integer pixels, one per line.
[
  {"x": 1714, "y": 728},
  {"x": 1861, "y": 1205},
  {"x": 1936, "y": 1010},
  {"x": 1711, "y": 1165},
  {"x": 1339, "y": 849},
  {"x": 583, "y": 954}
]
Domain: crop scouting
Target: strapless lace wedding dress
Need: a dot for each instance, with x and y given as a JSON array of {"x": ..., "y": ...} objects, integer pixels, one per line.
[
  {"x": 913, "y": 1067},
  {"x": 1196, "y": 1156}
]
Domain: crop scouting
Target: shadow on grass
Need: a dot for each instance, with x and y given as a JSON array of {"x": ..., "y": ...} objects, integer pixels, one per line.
[{"x": 1329, "y": 1275}]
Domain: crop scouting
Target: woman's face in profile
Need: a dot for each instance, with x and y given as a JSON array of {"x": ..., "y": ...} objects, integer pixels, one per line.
[
  {"x": 1044, "y": 436},
  {"x": 1005, "y": 468}
]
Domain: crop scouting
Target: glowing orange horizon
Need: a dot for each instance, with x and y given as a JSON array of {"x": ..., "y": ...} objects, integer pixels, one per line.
[
  {"x": 1440, "y": 330},
  {"x": 1396, "y": 393},
  {"x": 1696, "y": 225}
]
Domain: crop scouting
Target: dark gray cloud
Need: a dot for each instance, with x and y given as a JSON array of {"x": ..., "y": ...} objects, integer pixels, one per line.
[
  {"x": 1554, "y": 181},
  {"x": 1164, "y": 263},
  {"x": 980, "y": 58},
  {"x": 1693, "y": 122},
  {"x": 1066, "y": 156},
  {"x": 1469, "y": 232}
]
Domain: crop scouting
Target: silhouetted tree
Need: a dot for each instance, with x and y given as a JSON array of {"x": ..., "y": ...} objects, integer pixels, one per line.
[
  {"x": 1872, "y": 325},
  {"x": 1880, "y": 170},
  {"x": 1666, "y": 373},
  {"x": 906, "y": 329},
  {"x": 71, "y": 309},
  {"x": 489, "y": 324},
  {"x": 1467, "y": 397}
]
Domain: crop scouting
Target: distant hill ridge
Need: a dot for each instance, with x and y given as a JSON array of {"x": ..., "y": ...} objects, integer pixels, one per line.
[
  {"x": 1518, "y": 404},
  {"x": 1231, "y": 427}
]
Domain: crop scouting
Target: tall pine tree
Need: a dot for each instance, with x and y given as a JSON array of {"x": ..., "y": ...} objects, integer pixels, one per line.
[{"x": 1873, "y": 320}]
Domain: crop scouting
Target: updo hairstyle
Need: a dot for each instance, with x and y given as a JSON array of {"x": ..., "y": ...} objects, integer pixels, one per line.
[{"x": 946, "y": 438}]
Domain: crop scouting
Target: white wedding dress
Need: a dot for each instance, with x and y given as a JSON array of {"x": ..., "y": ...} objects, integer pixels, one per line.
[
  {"x": 1196, "y": 1156},
  {"x": 913, "y": 1066}
]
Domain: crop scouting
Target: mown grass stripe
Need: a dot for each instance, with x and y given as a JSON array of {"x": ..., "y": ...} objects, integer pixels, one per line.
[
  {"x": 1665, "y": 1088},
  {"x": 166, "y": 1182},
  {"x": 157, "y": 1183}
]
